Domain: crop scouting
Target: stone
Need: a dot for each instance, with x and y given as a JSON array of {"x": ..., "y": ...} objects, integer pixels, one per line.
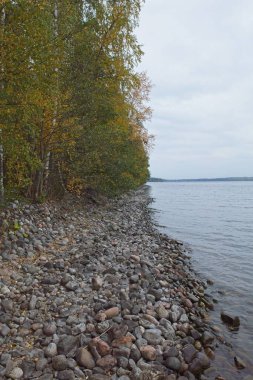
[
  {"x": 173, "y": 363},
  {"x": 112, "y": 312},
  {"x": 207, "y": 338},
  {"x": 49, "y": 329},
  {"x": 230, "y": 320},
  {"x": 148, "y": 353},
  {"x": 68, "y": 345},
  {"x": 153, "y": 336},
  {"x": 28, "y": 367},
  {"x": 239, "y": 363},
  {"x": 102, "y": 347},
  {"x": 60, "y": 362},
  {"x": 71, "y": 285},
  {"x": 199, "y": 363},
  {"x": 16, "y": 373},
  {"x": 172, "y": 351},
  {"x": 107, "y": 362},
  {"x": 97, "y": 283},
  {"x": 51, "y": 350},
  {"x": 67, "y": 374},
  {"x": 189, "y": 351},
  {"x": 85, "y": 359}
]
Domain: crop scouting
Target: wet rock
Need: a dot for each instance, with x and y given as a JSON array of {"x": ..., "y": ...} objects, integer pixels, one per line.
[
  {"x": 189, "y": 352},
  {"x": 199, "y": 363},
  {"x": 230, "y": 320},
  {"x": 239, "y": 363}
]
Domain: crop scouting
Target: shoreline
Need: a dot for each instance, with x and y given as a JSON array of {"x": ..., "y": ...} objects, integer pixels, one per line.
[{"x": 97, "y": 292}]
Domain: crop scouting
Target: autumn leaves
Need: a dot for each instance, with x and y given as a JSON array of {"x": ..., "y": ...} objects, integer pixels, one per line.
[{"x": 72, "y": 107}]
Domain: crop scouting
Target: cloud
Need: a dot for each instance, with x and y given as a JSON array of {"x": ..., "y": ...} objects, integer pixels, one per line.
[{"x": 199, "y": 56}]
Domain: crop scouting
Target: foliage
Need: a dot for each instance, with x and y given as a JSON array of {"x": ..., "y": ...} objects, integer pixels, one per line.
[{"x": 72, "y": 106}]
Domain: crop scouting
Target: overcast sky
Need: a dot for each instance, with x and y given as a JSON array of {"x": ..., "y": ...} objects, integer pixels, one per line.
[{"x": 199, "y": 56}]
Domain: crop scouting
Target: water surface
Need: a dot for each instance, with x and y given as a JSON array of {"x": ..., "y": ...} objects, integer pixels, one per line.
[{"x": 216, "y": 220}]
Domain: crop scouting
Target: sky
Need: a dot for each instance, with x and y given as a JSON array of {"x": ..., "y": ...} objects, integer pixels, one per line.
[{"x": 199, "y": 57}]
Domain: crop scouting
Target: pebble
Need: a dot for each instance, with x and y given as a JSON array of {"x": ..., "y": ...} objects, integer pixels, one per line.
[{"x": 97, "y": 290}]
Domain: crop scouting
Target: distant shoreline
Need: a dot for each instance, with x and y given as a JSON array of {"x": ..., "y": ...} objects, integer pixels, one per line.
[{"x": 228, "y": 179}]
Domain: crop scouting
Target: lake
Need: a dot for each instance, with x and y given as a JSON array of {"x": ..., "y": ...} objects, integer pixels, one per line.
[{"x": 215, "y": 221}]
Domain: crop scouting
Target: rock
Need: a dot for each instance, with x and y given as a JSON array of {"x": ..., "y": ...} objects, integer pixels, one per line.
[
  {"x": 228, "y": 319},
  {"x": 112, "y": 312},
  {"x": 49, "y": 329},
  {"x": 33, "y": 301},
  {"x": 162, "y": 312},
  {"x": 7, "y": 305},
  {"x": 68, "y": 345},
  {"x": 102, "y": 347},
  {"x": 97, "y": 283},
  {"x": 16, "y": 373},
  {"x": 153, "y": 336},
  {"x": 68, "y": 374},
  {"x": 107, "y": 362},
  {"x": 207, "y": 338},
  {"x": 85, "y": 359},
  {"x": 239, "y": 363},
  {"x": 59, "y": 362},
  {"x": 28, "y": 367},
  {"x": 51, "y": 350},
  {"x": 189, "y": 352},
  {"x": 71, "y": 285},
  {"x": 199, "y": 363},
  {"x": 148, "y": 353},
  {"x": 173, "y": 363}
]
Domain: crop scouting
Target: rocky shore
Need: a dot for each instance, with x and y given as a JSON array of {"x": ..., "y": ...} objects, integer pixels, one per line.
[{"x": 94, "y": 291}]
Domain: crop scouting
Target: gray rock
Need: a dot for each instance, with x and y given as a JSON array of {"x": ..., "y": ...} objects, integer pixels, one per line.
[
  {"x": 16, "y": 373},
  {"x": 68, "y": 374},
  {"x": 68, "y": 345},
  {"x": 189, "y": 352},
  {"x": 173, "y": 363},
  {"x": 51, "y": 350},
  {"x": 153, "y": 336},
  {"x": 59, "y": 362},
  {"x": 49, "y": 328}
]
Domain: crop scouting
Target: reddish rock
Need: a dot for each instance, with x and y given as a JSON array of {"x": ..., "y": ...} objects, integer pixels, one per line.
[
  {"x": 107, "y": 362},
  {"x": 148, "y": 353},
  {"x": 112, "y": 312},
  {"x": 123, "y": 341},
  {"x": 102, "y": 347}
]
